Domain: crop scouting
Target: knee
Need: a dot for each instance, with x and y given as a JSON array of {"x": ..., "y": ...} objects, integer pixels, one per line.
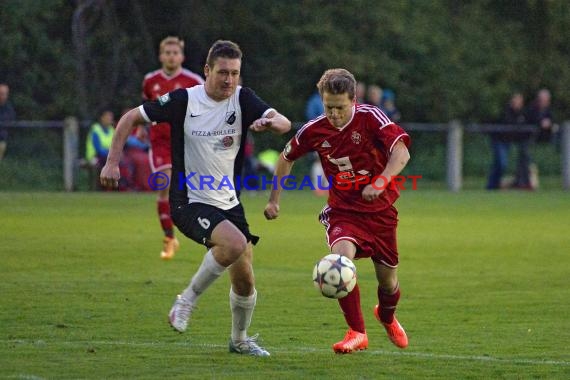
[
  {"x": 233, "y": 247},
  {"x": 237, "y": 245}
]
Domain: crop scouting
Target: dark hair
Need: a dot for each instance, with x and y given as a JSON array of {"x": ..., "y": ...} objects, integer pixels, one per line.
[
  {"x": 223, "y": 49},
  {"x": 337, "y": 81}
]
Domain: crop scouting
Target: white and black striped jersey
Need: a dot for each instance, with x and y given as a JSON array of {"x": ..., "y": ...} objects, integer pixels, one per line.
[{"x": 207, "y": 142}]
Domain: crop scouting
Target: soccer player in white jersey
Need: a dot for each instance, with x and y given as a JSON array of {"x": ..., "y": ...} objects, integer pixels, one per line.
[
  {"x": 362, "y": 151},
  {"x": 209, "y": 125}
]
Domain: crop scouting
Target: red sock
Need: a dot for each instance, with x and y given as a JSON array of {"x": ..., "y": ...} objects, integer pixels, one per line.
[
  {"x": 350, "y": 306},
  {"x": 164, "y": 216},
  {"x": 388, "y": 304}
]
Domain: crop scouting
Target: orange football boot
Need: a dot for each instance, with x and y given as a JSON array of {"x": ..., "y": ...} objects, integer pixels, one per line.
[
  {"x": 395, "y": 331},
  {"x": 169, "y": 247},
  {"x": 353, "y": 341}
]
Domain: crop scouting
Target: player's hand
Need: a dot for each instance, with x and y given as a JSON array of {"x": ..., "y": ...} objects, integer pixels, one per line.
[
  {"x": 261, "y": 125},
  {"x": 271, "y": 211},
  {"x": 371, "y": 193},
  {"x": 110, "y": 176}
]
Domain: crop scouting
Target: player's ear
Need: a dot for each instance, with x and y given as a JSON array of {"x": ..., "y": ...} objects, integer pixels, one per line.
[{"x": 206, "y": 70}]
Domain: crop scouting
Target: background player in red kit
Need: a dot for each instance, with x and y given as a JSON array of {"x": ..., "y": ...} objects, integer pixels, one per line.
[
  {"x": 356, "y": 143},
  {"x": 156, "y": 83}
]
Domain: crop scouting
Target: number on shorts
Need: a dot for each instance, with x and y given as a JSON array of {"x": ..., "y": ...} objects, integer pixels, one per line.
[{"x": 205, "y": 223}]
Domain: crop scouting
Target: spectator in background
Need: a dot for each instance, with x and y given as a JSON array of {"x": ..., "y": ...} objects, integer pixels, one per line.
[
  {"x": 500, "y": 142},
  {"x": 540, "y": 114},
  {"x": 360, "y": 92},
  {"x": 137, "y": 159},
  {"x": 99, "y": 138},
  {"x": 250, "y": 179},
  {"x": 267, "y": 161},
  {"x": 374, "y": 95},
  {"x": 99, "y": 141},
  {"x": 388, "y": 105},
  {"x": 314, "y": 107},
  {"x": 313, "y": 110},
  {"x": 7, "y": 114}
]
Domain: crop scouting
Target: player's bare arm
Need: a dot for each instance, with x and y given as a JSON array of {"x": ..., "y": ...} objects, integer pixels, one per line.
[
  {"x": 110, "y": 173},
  {"x": 396, "y": 163},
  {"x": 273, "y": 121},
  {"x": 282, "y": 169}
]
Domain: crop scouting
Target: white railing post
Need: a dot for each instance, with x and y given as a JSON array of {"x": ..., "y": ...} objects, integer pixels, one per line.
[
  {"x": 454, "y": 156},
  {"x": 70, "y": 152},
  {"x": 565, "y": 154}
]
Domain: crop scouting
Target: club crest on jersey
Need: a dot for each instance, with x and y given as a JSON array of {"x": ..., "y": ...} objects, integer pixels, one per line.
[
  {"x": 227, "y": 142},
  {"x": 163, "y": 99},
  {"x": 356, "y": 138},
  {"x": 231, "y": 117},
  {"x": 287, "y": 149}
]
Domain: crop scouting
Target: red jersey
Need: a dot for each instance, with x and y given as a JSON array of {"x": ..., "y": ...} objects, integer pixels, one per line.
[
  {"x": 157, "y": 83},
  {"x": 351, "y": 156}
]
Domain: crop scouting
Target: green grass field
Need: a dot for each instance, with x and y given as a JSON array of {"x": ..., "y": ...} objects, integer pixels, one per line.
[{"x": 485, "y": 283}]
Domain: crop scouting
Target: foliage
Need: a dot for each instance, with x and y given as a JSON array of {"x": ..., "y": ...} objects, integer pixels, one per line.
[{"x": 444, "y": 59}]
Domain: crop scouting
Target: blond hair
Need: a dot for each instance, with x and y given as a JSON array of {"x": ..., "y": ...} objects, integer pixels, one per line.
[{"x": 172, "y": 40}]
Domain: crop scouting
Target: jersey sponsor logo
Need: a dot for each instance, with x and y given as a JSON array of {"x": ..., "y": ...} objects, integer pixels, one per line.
[
  {"x": 227, "y": 142},
  {"x": 356, "y": 138},
  {"x": 163, "y": 99},
  {"x": 222, "y": 132},
  {"x": 325, "y": 144}
]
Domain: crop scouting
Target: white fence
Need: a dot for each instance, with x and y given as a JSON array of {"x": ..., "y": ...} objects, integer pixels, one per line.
[{"x": 454, "y": 146}]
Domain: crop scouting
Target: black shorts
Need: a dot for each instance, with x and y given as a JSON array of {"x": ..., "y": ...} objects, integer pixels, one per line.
[{"x": 198, "y": 220}]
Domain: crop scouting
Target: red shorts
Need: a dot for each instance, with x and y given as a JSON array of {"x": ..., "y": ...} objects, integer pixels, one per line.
[
  {"x": 159, "y": 152},
  {"x": 373, "y": 234}
]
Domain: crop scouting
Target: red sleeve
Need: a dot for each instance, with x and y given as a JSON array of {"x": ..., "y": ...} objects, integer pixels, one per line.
[
  {"x": 297, "y": 146},
  {"x": 390, "y": 134}
]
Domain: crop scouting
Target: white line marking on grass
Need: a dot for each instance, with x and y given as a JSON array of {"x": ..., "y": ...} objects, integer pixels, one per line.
[{"x": 425, "y": 355}]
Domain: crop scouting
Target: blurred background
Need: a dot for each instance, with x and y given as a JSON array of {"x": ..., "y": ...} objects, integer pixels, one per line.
[{"x": 437, "y": 61}]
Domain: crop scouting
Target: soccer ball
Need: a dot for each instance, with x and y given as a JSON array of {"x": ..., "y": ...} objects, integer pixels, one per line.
[{"x": 335, "y": 276}]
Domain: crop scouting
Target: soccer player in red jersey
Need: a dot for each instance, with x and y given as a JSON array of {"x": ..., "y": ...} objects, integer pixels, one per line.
[
  {"x": 169, "y": 77},
  {"x": 361, "y": 150}
]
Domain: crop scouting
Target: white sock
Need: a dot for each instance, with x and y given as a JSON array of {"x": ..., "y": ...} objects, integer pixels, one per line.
[
  {"x": 208, "y": 272},
  {"x": 242, "y": 311}
]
